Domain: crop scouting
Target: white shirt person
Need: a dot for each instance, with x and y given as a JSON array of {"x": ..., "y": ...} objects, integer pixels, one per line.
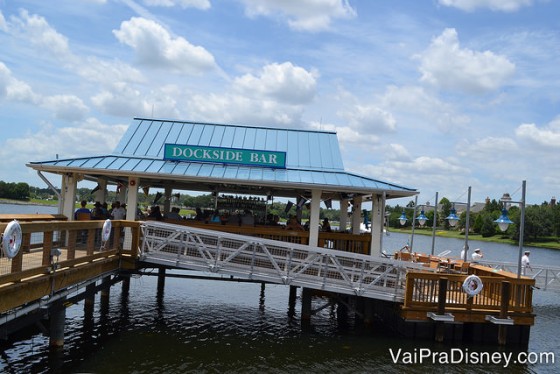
[
  {"x": 525, "y": 263},
  {"x": 477, "y": 255}
]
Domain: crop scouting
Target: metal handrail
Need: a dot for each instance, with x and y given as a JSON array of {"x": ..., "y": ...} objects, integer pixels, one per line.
[
  {"x": 274, "y": 261},
  {"x": 546, "y": 277}
]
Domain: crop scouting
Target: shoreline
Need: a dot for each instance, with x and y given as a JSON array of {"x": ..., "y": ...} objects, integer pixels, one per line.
[
  {"x": 476, "y": 237},
  {"x": 19, "y": 202}
]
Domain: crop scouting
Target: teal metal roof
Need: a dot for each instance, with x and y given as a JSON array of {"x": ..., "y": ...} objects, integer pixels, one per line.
[
  {"x": 305, "y": 150},
  {"x": 313, "y": 158}
]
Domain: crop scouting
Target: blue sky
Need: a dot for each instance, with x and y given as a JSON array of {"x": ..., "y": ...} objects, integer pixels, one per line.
[{"x": 435, "y": 95}]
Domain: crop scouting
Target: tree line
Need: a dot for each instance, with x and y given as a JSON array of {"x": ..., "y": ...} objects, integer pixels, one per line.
[{"x": 542, "y": 222}]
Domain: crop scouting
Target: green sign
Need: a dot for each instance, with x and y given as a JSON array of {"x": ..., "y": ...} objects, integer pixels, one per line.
[{"x": 269, "y": 159}]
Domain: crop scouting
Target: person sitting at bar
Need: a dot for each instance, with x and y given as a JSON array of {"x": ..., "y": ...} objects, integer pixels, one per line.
[
  {"x": 155, "y": 213},
  {"x": 215, "y": 217},
  {"x": 293, "y": 224},
  {"x": 174, "y": 214},
  {"x": 247, "y": 219},
  {"x": 326, "y": 226}
]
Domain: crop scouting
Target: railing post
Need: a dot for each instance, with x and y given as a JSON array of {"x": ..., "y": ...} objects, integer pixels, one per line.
[
  {"x": 47, "y": 246},
  {"x": 17, "y": 262},
  {"x": 90, "y": 246},
  {"x": 72, "y": 237},
  {"x": 504, "y": 303},
  {"x": 442, "y": 296},
  {"x": 409, "y": 289}
]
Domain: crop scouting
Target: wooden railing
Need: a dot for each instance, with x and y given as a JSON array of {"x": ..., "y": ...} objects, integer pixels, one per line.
[
  {"x": 502, "y": 294},
  {"x": 58, "y": 254},
  {"x": 332, "y": 240}
]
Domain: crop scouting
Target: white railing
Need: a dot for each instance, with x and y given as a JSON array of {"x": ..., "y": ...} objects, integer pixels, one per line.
[
  {"x": 546, "y": 277},
  {"x": 273, "y": 261}
]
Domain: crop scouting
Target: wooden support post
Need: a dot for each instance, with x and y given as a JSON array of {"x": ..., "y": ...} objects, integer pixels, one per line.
[
  {"x": 292, "y": 301},
  {"x": 342, "y": 310},
  {"x": 105, "y": 291},
  {"x": 261, "y": 297},
  {"x": 89, "y": 306},
  {"x": 89, "y": 300},
  {"x": 125, "y": 286},
  {"x": 57, "y": 314},
  {"x": 161, "y": 281},
  {"x": 369, "y": 312},
  {"x": 502, "y": 329},
  {"x": 442, "y": 296},
  {"x": 305, "y": 304}
]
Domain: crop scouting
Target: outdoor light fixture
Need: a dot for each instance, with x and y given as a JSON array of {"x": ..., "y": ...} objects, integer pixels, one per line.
[
  {"x": 402, "y": 218},
  {"x": 504, "y": 221},
  {"x": 422, "y": 218},
  {"x": 452, "y": 217}
]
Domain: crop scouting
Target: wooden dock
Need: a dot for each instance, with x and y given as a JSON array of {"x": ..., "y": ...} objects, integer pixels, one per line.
[{"x": 58, "y": 256}]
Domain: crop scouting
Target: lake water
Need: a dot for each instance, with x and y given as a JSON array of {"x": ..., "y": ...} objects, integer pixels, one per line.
[{"x": 227, "y": 327}]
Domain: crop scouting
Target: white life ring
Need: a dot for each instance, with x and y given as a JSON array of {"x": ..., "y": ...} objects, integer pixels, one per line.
[
  {"x": 106, "y": 233},
  {"x": 472, "y": 285},
  {"x": 11, "y": 241}
]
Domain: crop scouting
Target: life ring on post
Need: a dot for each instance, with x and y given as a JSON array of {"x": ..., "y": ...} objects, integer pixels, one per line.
[
  {"x": 106, "y": 232},
  {"x": 472, "y": 285},
  {"x": 132, "y": 183},
  {"x": 11, "y": 240}
]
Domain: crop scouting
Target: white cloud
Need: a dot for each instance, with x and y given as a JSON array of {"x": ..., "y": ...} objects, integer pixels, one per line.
[
  {"x": 108, "y": 72},
  {"x": 496, "y": 5},
  {"x": 15, "y": 90},
  {"x": 348, "y": 136},
  {"x": 498, "y": 149},
  {"x": 369, "y": 118},
  {"x": 198, "y": 4},
  {"x": 67, "y": 107},
  {"x": 232, "y": 108},
  {"x": 275, "y": 96},
  {"x": 5, "y": 76},
  {"x": 305, "y": 15},
  {"x": 120, "y": 100},
  {"x": 41, "y": 35},
  {"x": 284, "y": 82},
  {"x": 397, "y": 152},
  {"x": 124, "y": 100},
  {"x": 549, "y": 136},
  {"x": 90, "y": 137},
  {"x": 3, "y": 24},
  {"x": 414, "y": 103},
  {"x": 448, "y": 66},
  {"x": 156, "y": 47}
]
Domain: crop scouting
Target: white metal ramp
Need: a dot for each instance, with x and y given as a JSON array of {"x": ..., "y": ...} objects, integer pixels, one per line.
[
  {"x": 273, "y": 261},
  {"x": 547, "y": 278}
]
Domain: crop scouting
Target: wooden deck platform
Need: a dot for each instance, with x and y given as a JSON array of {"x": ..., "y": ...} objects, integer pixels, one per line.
[{"x": 432, "y": 288}]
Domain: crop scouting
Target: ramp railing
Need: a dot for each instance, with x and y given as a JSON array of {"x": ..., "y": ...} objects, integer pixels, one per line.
[
  {"x": 273, "y": 261},
  {"x": 547, "y": 278}
]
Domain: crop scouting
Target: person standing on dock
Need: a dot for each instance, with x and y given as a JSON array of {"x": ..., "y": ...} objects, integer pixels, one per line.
[
  {"x": 477, "y": 255},
  {"x": 525, "y": 263}
]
